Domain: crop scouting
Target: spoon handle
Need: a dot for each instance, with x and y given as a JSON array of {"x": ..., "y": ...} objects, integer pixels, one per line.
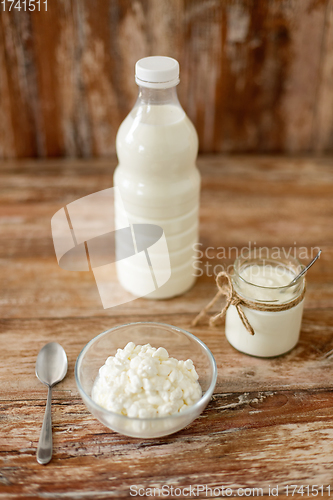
[
  {"x": 305, "y": 269},
  {"x": 44, "y": 450}
]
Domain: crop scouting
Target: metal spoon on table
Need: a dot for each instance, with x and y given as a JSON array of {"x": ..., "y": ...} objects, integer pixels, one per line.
[
  {"x": 305, "y": 269},
  {"x": 51, "y": 368}
]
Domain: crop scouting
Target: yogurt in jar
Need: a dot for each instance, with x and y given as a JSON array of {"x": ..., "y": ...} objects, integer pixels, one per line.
[{"x": 276, "y": 332}]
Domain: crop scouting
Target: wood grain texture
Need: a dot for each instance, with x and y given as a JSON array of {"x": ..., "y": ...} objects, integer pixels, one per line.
[
  {"x": 270, "y": 420},
  {"x": 256, "y": 76}
]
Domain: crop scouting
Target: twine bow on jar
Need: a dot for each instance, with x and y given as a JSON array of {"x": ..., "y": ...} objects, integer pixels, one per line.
[{"x": 226, "y": 288}]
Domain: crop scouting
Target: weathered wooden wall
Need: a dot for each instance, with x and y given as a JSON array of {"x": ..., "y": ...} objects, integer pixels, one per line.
[{"x": 256, "y": 75}]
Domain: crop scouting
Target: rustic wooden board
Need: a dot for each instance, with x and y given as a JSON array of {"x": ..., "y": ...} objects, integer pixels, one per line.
[
  {"x": 256, "y": 76},
  {"x": 270, "y": 421}
]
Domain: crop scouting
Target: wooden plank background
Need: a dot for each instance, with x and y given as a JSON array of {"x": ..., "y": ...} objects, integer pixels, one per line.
[{"x": 256, "y": 75}]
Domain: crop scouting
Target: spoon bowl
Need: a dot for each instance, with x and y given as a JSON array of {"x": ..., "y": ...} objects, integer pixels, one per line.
[
  {"x": 51, "y": 368},
  {"x": 51, "y": 364}
]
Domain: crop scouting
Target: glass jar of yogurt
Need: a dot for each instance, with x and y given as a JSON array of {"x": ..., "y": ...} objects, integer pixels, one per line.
[{"x": 263, "y": 278}]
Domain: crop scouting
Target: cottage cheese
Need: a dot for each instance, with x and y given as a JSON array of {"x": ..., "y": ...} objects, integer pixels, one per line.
[{"x": 144, "y": 382}]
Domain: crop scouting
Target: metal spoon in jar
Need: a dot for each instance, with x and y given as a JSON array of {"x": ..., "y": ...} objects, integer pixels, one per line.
[
  {"x": 51, "y": 368},
  {"x": 305, "y": 269}
]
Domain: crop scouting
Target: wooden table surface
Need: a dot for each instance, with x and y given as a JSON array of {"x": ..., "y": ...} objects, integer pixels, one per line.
[{"x": 269, "y": 423}]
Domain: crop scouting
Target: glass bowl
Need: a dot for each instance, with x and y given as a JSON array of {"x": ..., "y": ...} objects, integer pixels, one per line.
[{"x": 179, "y": 344}]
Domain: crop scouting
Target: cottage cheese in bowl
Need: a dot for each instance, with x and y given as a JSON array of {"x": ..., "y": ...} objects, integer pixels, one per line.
[{"x": 142, "y": 381}]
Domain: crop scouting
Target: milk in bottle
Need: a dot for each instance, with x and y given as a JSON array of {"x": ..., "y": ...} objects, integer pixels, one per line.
[{"x": 157, "y": 177}]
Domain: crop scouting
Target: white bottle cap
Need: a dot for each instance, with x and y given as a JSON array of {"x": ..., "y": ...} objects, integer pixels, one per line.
[{"x": 157, "y": 72}]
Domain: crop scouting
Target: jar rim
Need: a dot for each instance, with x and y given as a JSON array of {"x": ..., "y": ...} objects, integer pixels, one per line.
[{"x": 269, "y": 259}]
